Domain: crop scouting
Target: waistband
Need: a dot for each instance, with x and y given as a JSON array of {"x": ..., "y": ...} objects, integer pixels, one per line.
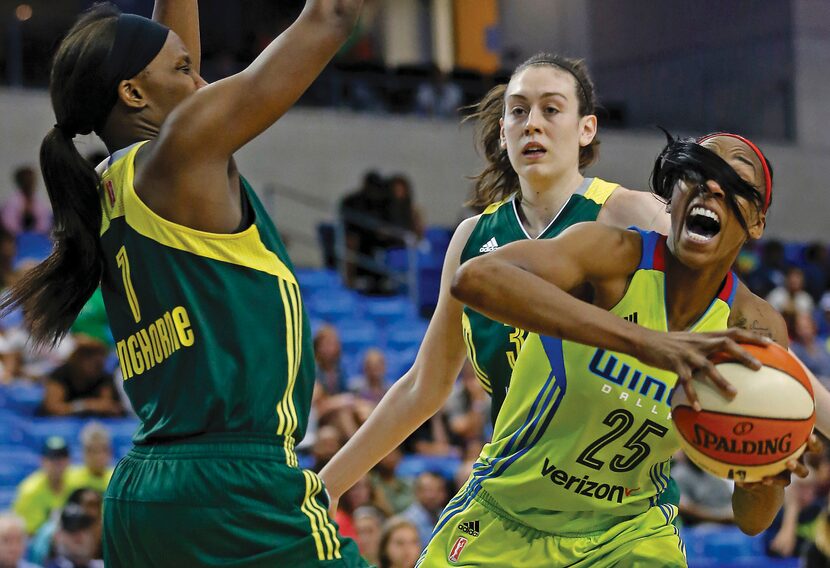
[{"x": 270, "y": 447}]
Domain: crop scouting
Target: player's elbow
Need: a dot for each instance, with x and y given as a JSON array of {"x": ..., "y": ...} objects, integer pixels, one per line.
[
  {"x": 752, "y": 527},
  {"x": 466, "y": 284}
]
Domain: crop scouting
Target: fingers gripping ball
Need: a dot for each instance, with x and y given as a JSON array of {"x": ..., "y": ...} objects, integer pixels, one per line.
[{"x": 767, "y": 423}]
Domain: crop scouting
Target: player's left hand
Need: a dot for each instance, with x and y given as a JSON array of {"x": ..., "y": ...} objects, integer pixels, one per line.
[{"x": 797, "y": 467}]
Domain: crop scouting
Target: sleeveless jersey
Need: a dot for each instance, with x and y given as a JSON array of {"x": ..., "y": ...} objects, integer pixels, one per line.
[
  {"x": 492, "y": 346},
  {"x": 585, "y": 435},
  {"x": 210, "y": 330}
]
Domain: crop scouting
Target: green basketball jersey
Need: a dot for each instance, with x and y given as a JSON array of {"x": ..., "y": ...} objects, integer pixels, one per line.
[
  {"x": 585, "y": 435},
  {"x": 492, "y": 346},
  {"x": 210, "y": 330}
]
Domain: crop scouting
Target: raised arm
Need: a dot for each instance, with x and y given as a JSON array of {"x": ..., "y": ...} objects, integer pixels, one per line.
[
  {"x": 419, "y": 394},
  {"x": 220, "y": 118},
  {"x": 182, "y": 16}
]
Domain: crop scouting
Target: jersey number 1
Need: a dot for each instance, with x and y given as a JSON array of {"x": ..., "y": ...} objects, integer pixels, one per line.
[{"x": 132, "y": 299}]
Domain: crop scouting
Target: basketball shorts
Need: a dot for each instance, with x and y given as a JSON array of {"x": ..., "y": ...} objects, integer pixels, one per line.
[
  {"x": 219, "y": 500},
  {"x": 480, "y": 534}
]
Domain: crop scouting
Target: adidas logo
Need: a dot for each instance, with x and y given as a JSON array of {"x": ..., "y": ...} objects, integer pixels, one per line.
[
  {"x": 489, "y": 246},
  {"x": 470, "y": 527},
  {"x": 631, "y": 317}
]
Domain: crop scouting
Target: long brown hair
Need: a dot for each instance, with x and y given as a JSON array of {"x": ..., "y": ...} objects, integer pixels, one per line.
[
  {"x": 53, "y": 292},
  {"x": 499, "y": 180}
]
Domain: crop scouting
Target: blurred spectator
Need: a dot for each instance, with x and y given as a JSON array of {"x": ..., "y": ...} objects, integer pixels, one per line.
[
  {"x": 432, "y": 438},
  {"x": 812, "y": 351},
  {"x": 327, "y": 355},
  {"x": 44, "y": 490},
  {"x": 361, "y": 494},
  {"x": 81, "y": 386},
  {"x": 23, "y": 211},
  {"x": 361, "y": 215},
  {"x": 368, "y": 524},
  {"x": 817, "y": 554},
  {"x": 396, "y": 491},
  {"x": 327, "y": 444},
  {"x": 790, "y": 532},
  {"x": 703, "y": 497},
  {"x": 41, "y": 547},
  {"x": 439, "y": 96},
  {"x": 770, "y": 271},
  {"x": 401, "y": 211},
  {"x": 816, "y": 270},
  {"x": 96, "y": 470},
  {"x": 468, "y": 408},
  {"x": 430, "y": 499},
  {"x": 75, "y": 540},
  {"x": 791, "y": 298},
  {"x": 8, "y": 255},
  {"x": 371, "y": 385},
  {"x": 13, "y": 542},
  {"x": 400, "y": 544}
]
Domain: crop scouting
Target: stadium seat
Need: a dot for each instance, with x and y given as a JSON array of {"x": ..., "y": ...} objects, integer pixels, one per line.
[
  {"x": 23, "y": 398},
  {"x": 386, "y": 311},
  {"x": 11, "y": 428},
  {"x": 314, "y": 280},
  {"x": 406, "y": 335},
  {"x": 37, "y": 430},
  {"x": 32, "y": 246},
  {"x": 411, "y": 465},
  {"x": 333, "y": 305},
  {"x": 357, "y": 335},
  {"x": 7, "y": 494}
]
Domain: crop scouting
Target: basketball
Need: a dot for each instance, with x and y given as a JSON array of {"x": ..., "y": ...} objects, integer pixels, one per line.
[{"x": 752, "y": 436}]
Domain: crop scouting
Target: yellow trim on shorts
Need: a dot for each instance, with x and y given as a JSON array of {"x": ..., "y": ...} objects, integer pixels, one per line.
[
  {"x": 600, "y": 190},
  {"x": 322, "y": 530},
  {"x": 242, "y": 249},
  {"x": 471, "y": 354}
]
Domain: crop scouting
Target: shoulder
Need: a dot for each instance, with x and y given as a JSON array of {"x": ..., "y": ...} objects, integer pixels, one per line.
[
  {"x": 31, "y": 484},
  {"x": 752, "y": 312},
  {"x": 627, "y": 207}
]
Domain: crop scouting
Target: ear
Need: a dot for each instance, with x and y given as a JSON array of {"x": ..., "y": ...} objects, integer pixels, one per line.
[
  {"x": 588, "y": 129},
  {"x": 756, "y": 231},
  {"x": 131, "y": 94},
  {"x": 502, "y": 137}
]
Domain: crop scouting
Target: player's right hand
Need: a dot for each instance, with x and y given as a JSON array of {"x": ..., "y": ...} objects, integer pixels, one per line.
[{"x": 687, "y": 355}]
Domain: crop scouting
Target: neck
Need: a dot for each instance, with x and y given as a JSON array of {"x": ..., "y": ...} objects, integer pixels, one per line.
[
  {"x": 123, "y": 131},
  {"x": 690, "y": 291},
  {"x": 542, "y": 200},
  {"x": 56, "y": 484}
]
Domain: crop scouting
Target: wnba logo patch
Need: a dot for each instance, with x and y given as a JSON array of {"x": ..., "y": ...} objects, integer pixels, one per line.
[{"x": 457, "y": 548}]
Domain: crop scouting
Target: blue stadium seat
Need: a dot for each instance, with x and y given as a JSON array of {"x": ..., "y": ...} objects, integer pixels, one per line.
[
  {"x": 386, "y": 311},
  {"x": 121, "y": 430},
  {"x": 38, "y": 429},
  {"x": 12, "y": 473},
  {"x": 24, "y": 398},
  {"x": 314, "y": 280},
  {"x": 20, "y": 455},
  {"x": 438, "y": 238},
  {"x": 11, "y": 428},
  {"x": 357, "y": 335},
  {"x": 406, "y": 334},
  {"x": 32, "y": 246},
  {"x": 410, "y": 466},
  {"x": 333, "y": 305},
  {"x": 7, "y": 494}
]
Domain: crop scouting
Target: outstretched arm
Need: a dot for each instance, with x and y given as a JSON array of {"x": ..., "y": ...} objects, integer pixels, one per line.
[
  {"x": 419, "y": 394},
  {"x": 182, "y": 16}
]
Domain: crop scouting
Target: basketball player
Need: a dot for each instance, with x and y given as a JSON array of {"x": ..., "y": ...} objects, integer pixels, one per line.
[
  {"x": 579, "y": 455},
  {"x": 537, "y": 133},
  {"x": 211, "y": 332}
]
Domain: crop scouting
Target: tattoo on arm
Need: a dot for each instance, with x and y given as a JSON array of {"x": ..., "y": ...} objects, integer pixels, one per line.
[{"x": 756, "y": 326}]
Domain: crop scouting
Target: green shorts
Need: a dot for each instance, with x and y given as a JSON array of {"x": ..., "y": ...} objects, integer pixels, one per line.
[
  {"x": 219, "y": 500},
  {"x": 473, "y": 531}
]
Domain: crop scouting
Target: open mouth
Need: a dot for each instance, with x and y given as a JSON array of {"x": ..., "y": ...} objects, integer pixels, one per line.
[
  {"x": 533, "y": 149},
  {"x": 702, "y": 224}
]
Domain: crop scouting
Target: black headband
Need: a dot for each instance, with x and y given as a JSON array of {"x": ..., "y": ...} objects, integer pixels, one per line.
[{"x": 137, "y": 42}]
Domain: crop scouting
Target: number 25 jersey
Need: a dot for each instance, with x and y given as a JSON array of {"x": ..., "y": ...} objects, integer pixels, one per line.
[{"x": 585, "y": 435}]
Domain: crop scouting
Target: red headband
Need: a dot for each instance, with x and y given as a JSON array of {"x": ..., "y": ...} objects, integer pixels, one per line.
[{"x": 767, "y": 176}]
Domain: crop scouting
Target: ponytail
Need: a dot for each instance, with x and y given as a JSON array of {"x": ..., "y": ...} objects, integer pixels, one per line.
[{"x": 53, "y": 293}]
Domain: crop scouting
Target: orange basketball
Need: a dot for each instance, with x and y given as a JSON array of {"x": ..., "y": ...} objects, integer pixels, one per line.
[{"x": 767, "y": 423}]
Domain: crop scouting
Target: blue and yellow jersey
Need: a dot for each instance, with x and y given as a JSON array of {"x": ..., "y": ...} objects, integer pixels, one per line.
[
  {"x": 585, "y": 435},
  {"x": 492, "y": 346},
  {"x": 210, "y": 330}
]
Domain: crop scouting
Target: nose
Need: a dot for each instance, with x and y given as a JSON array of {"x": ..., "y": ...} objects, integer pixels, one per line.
[
  {"x": 532, "y": 122},
  {"x": 200, "y": 82},
  {"x": 714, "y": 188}
]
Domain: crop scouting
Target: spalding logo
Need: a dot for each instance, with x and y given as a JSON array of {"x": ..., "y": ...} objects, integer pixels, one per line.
[{"x": 706, "y": 439}]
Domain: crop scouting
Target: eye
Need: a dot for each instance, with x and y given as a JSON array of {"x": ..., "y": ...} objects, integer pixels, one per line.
[
  {"x": 517, "y": 111},
  {"x": 184, "y": 68},
  {"x": 551, "y": 109}
]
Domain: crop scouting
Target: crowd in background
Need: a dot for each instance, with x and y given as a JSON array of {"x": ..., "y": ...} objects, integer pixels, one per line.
[{"x": 55, "y": 517}]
